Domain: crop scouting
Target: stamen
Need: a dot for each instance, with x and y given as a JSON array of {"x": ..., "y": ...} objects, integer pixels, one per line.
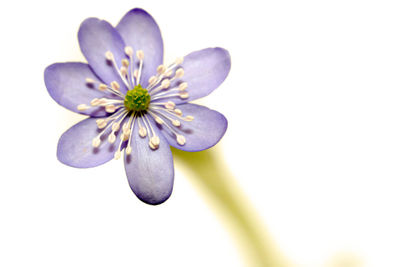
[
  {"x": 110, "y": 57},
  {"x": 183, "y": 86},
  {"x": 128, "y": 51},
  {"x": 115, "y": 86},
  {"x": 90, "y": 81},
  {"x": 82, "y": 107},
  {"x": 111, "y": 108},
  {"x": 125, "y": 63},
  {"x": 96, "y": 142},
  {"x": 154, "y": 140},
  {"x": 142, "y": 130},
  {"x": 179, "y": 61},
  {"x": 180, "y": 139},
  {"x": 140, "y": 56},
  {"x": 179, "y": 73}
]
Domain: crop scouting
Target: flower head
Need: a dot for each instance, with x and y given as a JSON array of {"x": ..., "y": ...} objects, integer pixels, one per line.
[{"x": 137, "y": 106}]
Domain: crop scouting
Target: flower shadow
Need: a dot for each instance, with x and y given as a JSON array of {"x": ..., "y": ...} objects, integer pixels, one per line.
[{"x": 207, "y": 170}]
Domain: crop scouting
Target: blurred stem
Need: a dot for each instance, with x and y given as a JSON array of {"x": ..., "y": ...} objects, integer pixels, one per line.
[{"x": 208, "y": 170}]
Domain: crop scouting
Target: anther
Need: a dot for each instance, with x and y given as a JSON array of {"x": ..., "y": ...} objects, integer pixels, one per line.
[
  {"x": 142, "y": 132},
  {"x": 168, "y": 73},
  {"x": 179, "y": 73},
  {"x": 115, "y": 126},
  {"x": 179, "y": 61},
  {"x": 115, "y": 86},
  {"x": 82, "y": 107},
  {"x": 109, "y": 56},
  {"x": 155, "y": 140},
  {"x": 170, "y": 105},
  {"x": 128, "y": 51},
  {"x": 110, "y": 108},
  {"x": 178, "y": 112},
  {"x": 101, "y": 123},
  {"x": 165, "y": 83},
  {"x": 103, "y": 87},
  {"x": 117, "y": 155},
  {"x": 180, "y": 139},
  {"x": 161, "y": 69},
  {"x": 111, "y": 138},
  {"x": 158, "y": 120},
  {"x": 125, "y": 62},
  {"x": 183, "y": 95},
  {"x": 128, "y": 150},
  {"x": 183, "y": 86},
  {"x": 189, "y": 118},
  {"x": 95, "y": 102},
  {"x": 96, "y": 142},
  {"x": 124, "y": 71},
  {"x": 176, "y": 123},
  {"x": 140, "y": 54},
  {"x": 152, "y": 80},
  {"x": 90, "y": 81}
]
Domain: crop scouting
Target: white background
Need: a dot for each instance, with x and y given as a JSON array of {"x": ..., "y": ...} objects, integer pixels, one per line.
[{"x": 313, "y": 140}]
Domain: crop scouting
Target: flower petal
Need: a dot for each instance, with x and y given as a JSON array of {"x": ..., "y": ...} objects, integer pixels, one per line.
[
  {"x": 75, "y": 146},
  {"x": 140, "y": 30},
  {"x": 150, "y": 172},
  {"x": 66, "y": 84},
  {"x": 204, "y": 70},
  {"x": 207, "y": 128},
  {"x": 96, "y": 37}
]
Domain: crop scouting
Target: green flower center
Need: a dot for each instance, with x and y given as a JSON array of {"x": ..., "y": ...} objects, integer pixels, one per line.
[{"x": 137, "y": 99}]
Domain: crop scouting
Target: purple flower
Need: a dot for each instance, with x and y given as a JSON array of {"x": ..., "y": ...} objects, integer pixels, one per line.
[{"x": 137, "y": 106}]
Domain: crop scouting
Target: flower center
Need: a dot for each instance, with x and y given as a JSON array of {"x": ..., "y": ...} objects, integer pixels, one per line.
[{"x": 137, "y": 99}]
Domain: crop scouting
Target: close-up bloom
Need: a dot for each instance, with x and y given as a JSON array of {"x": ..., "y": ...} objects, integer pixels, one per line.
[{"x": 138, "y": 106}]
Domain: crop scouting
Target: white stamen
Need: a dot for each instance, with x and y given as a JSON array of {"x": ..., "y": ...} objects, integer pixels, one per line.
[
  {"x": 168, "y": 73},
  {"x": 140, "y": 54},
  {"x": 95, "y": 102},
  {"x": 152, "y": 80},
  {"x": 180, "y": 139},
  {"x": 115, "y": 86},
  {"x": 158, "y": 119},
  {"x": 103, "y": 87},
  {"x": 176, "y": 123},
  {"x": 90, "y": 81},
  {"x": 96, "y": 142},
  {"x": 165, "y": 83},
  {"x": 161, "y": 69},
  {"x": 101, "y": 123},
  {"x": 115, "y": 126},
  {"x": 82, "y": 107},
  {"x": 178, "y": 112},
  {"x": 117, "y": 155},
  {"x": 183, "y": 95},
  {"x": 155, "y": 140},
  {"x": 128, "y": 51},
  {"x": 142, "y": 131},
  {"x": 109, "y": 55},
  {"x": 111, "y": 108},
  {"x": 170, "y": 105},
  {"x": 125, "y": 63},
  {"x": 179, "y": 73},
  {"x": 183, "y": 86},
  {"x": 111, "y": 138},
  {"x": 189, "y": 118},
  {"x": 124, "y": 71},
  {"x": 128, "y": 150},
  {"x": 179, "y": 61}
]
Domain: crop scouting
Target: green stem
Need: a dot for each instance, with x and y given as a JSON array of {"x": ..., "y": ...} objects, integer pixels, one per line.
[{"x": 208, "y": 171}]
